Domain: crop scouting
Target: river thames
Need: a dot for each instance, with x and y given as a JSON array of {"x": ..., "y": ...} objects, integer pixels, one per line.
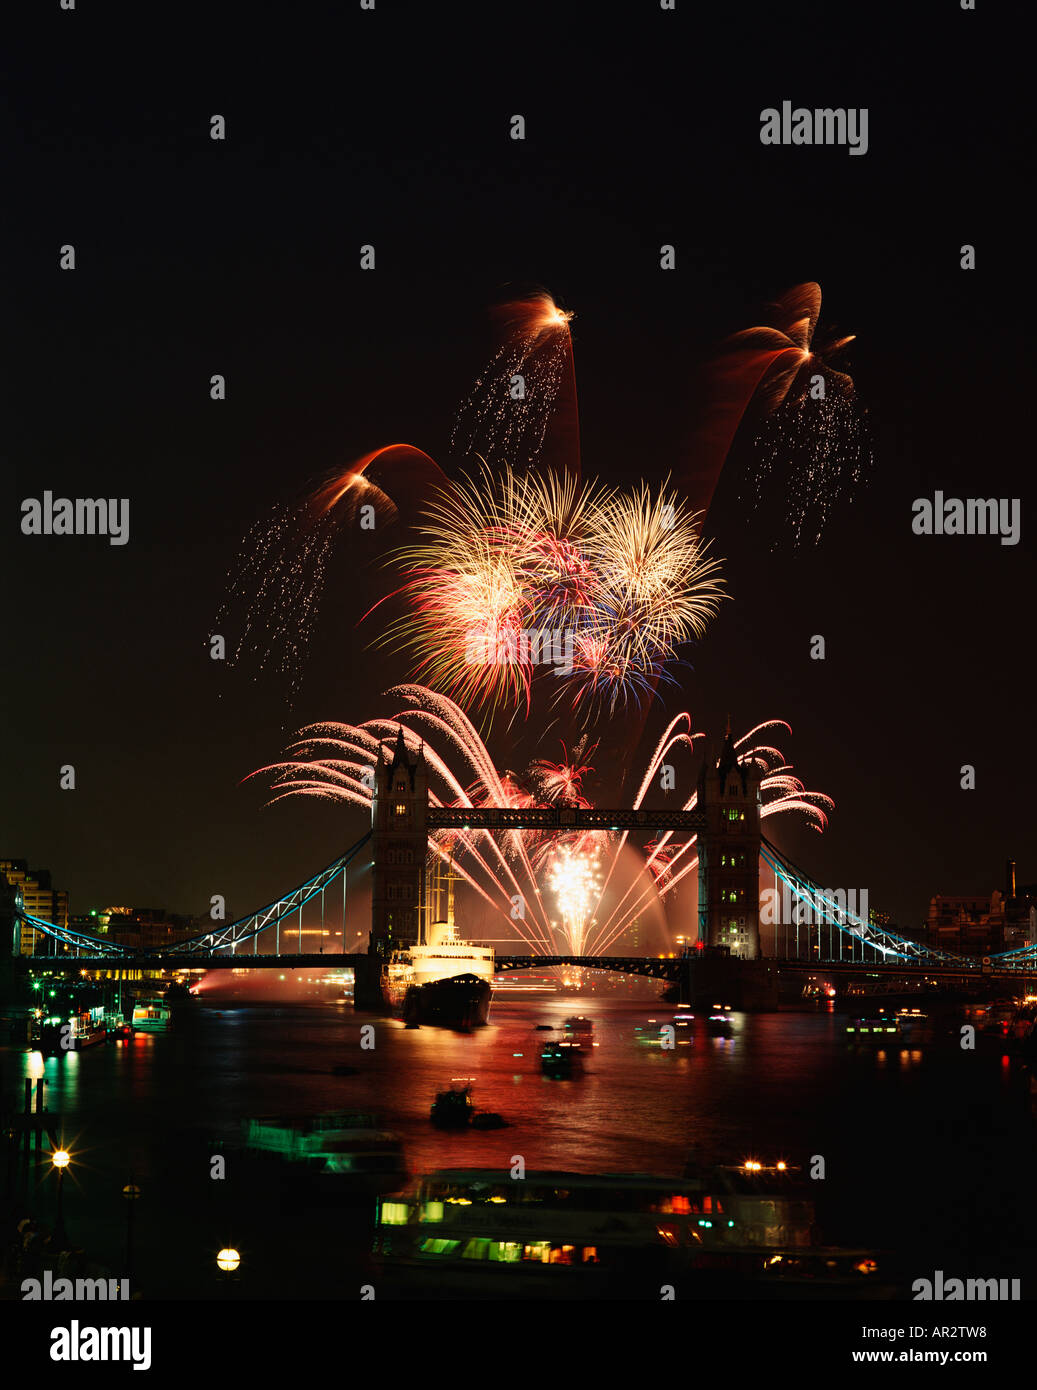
[{"x": 928, "y": 1149}]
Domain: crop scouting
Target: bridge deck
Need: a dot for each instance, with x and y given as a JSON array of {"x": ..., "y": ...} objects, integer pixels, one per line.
[{"x": 656, "y": 967}]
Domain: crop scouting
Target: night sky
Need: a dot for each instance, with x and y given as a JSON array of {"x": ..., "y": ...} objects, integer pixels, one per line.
[{"x": 242, "y": 257}]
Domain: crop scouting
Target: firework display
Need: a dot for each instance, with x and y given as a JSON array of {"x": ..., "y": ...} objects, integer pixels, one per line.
[{"x": 596, "y": 896}]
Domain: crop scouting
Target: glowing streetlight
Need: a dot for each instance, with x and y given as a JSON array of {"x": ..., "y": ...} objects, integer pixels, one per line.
[
  {"x": 228, "y": 1260},
  {"x": 60, "y": 1159}
]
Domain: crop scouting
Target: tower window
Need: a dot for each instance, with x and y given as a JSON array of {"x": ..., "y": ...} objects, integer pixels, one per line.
[{"x": 400, "y": 808}]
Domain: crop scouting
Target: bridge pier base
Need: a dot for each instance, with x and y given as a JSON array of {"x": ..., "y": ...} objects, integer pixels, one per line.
[
  {"x": 367, "y": 983},
  {"x": 715, "y": 977}
]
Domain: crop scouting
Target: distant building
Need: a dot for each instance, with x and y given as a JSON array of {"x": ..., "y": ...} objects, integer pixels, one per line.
[
  {"x": 146, "y": 928},
  {"x": 39, "y": 898},
  {"x": 972, "y": 925},
  {"x": 885, "y": 921}
]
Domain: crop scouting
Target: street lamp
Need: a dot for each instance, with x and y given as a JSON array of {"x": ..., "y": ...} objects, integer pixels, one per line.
[
  {"x": 60, "y": 1160},
  {"x": 227, "y": 1262},
  {"x": 131, "y": 1193}
]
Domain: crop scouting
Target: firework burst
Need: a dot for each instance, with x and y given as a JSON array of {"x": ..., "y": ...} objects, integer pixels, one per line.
[{"x": 620, "y": 582}]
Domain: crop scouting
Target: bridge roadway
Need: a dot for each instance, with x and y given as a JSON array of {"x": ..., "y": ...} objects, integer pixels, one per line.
[
  {"x": 561, "y": 818},
  {"x": 656, "y": 967}
]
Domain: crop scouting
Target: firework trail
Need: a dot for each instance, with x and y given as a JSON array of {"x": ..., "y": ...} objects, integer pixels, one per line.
[
  {"x": 276, "y": 584},
  {"x": 808, "y": 454},
  {"x": 775, "y": 369},
  {"x": 273, "y": 592},
  {"x": 335, "y": 762},
  {"x": 620, "y": 579},
  {"x": 667, "y": 862},
  {"x": 529, "y": 379}
]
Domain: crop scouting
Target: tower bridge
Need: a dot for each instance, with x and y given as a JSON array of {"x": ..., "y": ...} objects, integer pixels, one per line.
[{"x": 726, "y": 823}]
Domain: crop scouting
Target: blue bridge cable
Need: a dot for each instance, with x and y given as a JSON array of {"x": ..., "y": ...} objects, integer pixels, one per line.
[
  {"x": 885, "y": 942},
  {"x": 223, "y": 937}
]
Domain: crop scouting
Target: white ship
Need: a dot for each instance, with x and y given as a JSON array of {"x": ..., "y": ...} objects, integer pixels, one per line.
[{"x": 443, "y": 980}]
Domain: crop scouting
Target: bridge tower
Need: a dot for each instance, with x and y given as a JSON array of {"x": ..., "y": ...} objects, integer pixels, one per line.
[
  {"x": 399, "y": 841},
  {"x": 729, "y": 853}
]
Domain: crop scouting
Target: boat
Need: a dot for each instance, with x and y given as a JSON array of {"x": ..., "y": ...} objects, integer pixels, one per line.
[
  {"x": 119, "y": 1028},
  {"x": 443, "y": 980},
  {"x": 877, "y": 1027},
  {"x": 998, "y": 1017},
  {"x": 578, "y": 1024},
  {"x": 718, "y": 1024},
  {"x": 80, "y": 1030},
  {"x": 562, "y": 1058},
  {"x": 477, "y": 1233},
  {"x": 339, "y": 1152},
  {"x": 150, "y": 1016},
  {"x": 683, "y": 1030},
  {"x": 453, "y": 1108}
]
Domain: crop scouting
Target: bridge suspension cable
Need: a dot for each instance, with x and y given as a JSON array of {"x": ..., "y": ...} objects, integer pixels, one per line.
[
  {"x": 855, "y": 932},
  {"x": 223, "y": 938}
]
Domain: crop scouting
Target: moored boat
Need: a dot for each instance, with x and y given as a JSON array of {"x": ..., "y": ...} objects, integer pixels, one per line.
[
  {"x": 150, "y": 1016},
  {"x": 340, "y": 1151},
  {"x": 80, "y": 1030},
  {"x": 443, "y": 981},
  {"x": 479, "y": 1233},
  {"x": 119, "y": 1028}
]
